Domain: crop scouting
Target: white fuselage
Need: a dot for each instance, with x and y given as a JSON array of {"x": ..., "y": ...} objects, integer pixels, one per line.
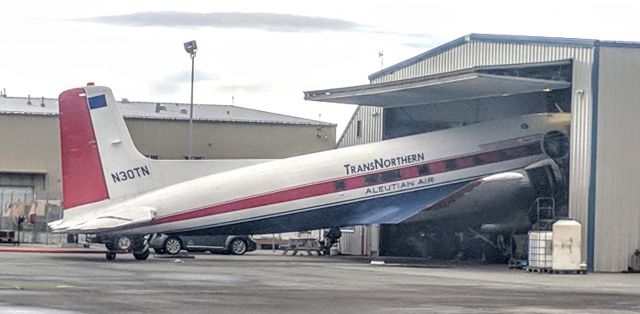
[{"x": 341, "y": 176}]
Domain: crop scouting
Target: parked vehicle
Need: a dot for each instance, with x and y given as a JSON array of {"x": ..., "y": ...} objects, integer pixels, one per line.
[
  {"x": 227, "y": 244},
  {"x": 7, "y": 236}
]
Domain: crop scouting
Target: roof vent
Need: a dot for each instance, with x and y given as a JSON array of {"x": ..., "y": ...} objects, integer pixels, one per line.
[
  {"x": 29, "y": 100},
  {"x": 125, "y": 100},
  {"x": 3, "y": 93},
  {"x": 184, "y": 111},
  {"x": 160, "y": 107},
  {"x": 42, "y": 102}
]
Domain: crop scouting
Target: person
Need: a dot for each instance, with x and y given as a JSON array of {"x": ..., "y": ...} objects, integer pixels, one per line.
[{"x": 331, "y": 238}]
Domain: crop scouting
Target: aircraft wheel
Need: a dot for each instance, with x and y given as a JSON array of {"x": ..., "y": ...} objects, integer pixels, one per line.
[
  {"x": 172, "y": 246},
  {"x": 111, "y": 256},
  {"x": 141, "y": 256},
  {"x": 238, "y": 247},
  {"x": 123, "y": 243}
]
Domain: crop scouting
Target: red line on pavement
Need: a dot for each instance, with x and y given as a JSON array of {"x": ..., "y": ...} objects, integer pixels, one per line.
[{"x": 51, "y": 250}]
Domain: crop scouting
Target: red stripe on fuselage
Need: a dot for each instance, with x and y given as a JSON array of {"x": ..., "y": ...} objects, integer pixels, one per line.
[
  {"x": 360, "y": 181},
  {"x": 82, "y": 176}
]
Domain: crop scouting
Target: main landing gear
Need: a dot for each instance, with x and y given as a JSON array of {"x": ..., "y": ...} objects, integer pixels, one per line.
[{"x": 136, "y": 244}]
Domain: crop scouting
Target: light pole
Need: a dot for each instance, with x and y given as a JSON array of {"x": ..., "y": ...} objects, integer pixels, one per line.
[{"x": 191, "y": 48}]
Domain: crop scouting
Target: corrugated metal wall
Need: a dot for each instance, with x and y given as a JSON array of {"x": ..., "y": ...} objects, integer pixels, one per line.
[
  {"x": 371, "y": 122},
  {"x": 479, "y": 53},
  {"x": 617, "y": 221}
]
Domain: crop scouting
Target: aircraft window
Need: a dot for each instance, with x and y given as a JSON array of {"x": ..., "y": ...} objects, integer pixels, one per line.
[
  {"x": 504, "y": 155},
  {"x": 372, "y": 178},
  {"x": 480, "y": 159},
  {"x": 390, "y": 175},
  {"x": 423, "y": 169},
  {"x": 340, "y": 185},
  {"x": 451, "y": 164}
]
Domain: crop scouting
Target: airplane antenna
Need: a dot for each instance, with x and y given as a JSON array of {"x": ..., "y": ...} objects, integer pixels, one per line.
[{"x": 381, "y": 56}]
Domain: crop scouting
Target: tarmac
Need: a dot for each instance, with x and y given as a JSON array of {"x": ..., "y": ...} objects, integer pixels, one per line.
[{"x": 267, "y": 282}]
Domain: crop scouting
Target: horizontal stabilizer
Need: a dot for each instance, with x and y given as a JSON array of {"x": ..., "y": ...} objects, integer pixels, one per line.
[{"x": 109, "y": 219}]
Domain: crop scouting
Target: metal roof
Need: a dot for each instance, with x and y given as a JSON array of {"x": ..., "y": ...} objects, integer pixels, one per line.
[
  {"x": 168, "y": 111},
  {"x": 534, "y": 40}
]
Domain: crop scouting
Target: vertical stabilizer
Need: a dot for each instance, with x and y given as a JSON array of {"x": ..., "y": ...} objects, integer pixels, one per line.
[
  {"x": 82, "y": 173},
  {"x": 99, "y": 159}
]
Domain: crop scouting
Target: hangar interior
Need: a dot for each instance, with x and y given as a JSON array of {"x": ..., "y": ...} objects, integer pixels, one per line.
[{"x": 481, "y": 77}]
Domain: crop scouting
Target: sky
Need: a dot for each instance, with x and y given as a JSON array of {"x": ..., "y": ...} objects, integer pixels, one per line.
[{"x": 261, "y": 54}]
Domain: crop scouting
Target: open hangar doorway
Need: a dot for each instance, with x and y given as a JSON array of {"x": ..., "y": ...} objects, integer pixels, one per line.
[{"x": 454, "y": 99}]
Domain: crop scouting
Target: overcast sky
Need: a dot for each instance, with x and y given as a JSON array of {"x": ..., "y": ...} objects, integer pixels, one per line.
[{"x": 262, "y": 53}]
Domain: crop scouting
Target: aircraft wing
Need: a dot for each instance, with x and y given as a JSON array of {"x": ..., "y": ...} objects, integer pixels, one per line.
[
  {"x": 485, "y": 199},
  {"x": 107, "y": 220}
]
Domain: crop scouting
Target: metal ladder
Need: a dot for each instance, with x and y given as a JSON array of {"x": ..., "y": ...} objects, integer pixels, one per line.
[{"x": 545, "y": 212}]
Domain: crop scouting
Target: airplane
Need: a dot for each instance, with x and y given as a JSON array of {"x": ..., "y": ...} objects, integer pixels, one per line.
[{"x": 121, "y": 197}]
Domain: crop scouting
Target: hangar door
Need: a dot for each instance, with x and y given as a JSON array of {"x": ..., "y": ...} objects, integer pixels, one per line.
[
  {"x": 478, "y": 94},
  {"x": 17, "y": 192}
]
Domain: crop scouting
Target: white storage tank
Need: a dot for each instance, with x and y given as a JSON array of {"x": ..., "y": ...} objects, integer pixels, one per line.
[
  {"x": 540, "y": 249},
  {"x": 567, "y": 244}
]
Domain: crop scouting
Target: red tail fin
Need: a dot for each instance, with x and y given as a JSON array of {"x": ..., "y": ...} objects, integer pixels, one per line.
[{"x": 82, "y": 175}]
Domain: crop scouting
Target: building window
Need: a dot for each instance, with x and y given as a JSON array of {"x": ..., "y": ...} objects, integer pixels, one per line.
[
  {"x": 194, "y": 157},
  {"x": 152, "y": 156},
  {"x": 359, "y": 128}
]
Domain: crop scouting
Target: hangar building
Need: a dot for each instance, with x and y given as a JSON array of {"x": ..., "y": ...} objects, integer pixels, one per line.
[
  {"x": 481, "y": 77},
  {"x": 30, "y": 144}
]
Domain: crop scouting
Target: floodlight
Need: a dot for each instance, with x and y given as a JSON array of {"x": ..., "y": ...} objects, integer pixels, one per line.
[{"x": 191, "y": 47}]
